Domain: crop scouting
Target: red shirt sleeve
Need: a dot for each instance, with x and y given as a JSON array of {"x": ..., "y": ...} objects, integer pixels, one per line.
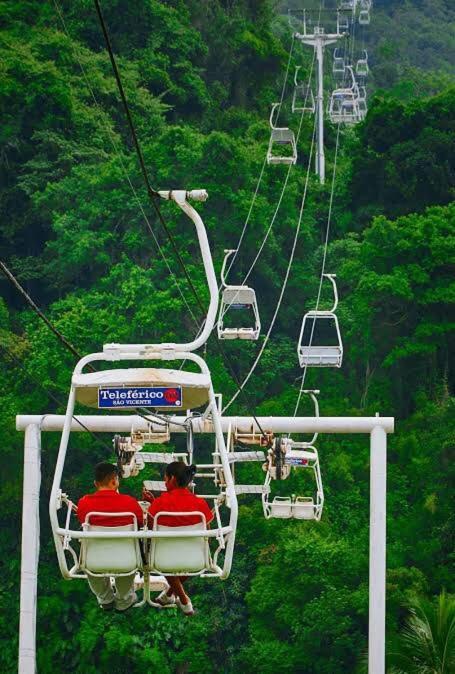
[
  {"x": 82, "y": 509},
  {"x": 205, "y": 509}
]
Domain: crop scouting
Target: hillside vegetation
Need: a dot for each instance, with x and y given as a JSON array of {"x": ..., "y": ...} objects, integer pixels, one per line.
[{"x": 200, "y": 77}]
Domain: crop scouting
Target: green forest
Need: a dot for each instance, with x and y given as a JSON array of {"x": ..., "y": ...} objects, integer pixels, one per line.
[{"x": 78, "y": 232}]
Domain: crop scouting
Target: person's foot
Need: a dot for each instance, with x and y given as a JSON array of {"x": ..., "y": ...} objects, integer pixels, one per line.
[
  {"x": 187, "y": 608},
  {"x": 163, "y": 599},
  {"x": 122, "y": 609},
  {"x": 108, "y": 607}
]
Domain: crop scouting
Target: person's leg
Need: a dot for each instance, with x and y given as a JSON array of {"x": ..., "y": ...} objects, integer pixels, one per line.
[
  {"x": 125, "y": 594},
  {"x": 176, "y": 587},
  {"x": 101, "y": 587},
  {"x": 182, "y": 579}
]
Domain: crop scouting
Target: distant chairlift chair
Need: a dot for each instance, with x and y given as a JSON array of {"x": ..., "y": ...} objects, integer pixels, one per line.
[
  {"x": 362, "y": 68},
  {"x": 303, "y": 97},
  {"x": 310, "y": 352},
  {"x": 284, "y": 455},
  {"x": 343, "y": 105},
  {"x": 280, "y": 138},
  {"x": 338, "y": 62},
  {"x": 237, "y": 297}
]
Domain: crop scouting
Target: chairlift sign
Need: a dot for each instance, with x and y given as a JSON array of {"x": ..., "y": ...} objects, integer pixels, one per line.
[{"x": 140, "y": 396}]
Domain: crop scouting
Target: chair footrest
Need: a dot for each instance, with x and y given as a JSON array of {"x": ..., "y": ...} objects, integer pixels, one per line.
[
  {"x": 251, "y": 489},
  {"x": 235, "y": 457},
  {"x": 159, "y": 457},
  {"x": 154, "y": 485}
]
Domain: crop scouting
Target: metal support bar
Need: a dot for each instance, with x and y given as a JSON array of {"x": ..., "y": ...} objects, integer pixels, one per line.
[
  {"x": 122, "y": 423},
  {"x": 376, "y": 625},
  {"x": 30, "y": 550}
]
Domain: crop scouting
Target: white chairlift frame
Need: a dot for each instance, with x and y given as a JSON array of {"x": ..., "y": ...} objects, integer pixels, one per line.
[
  {"x": 362, "y": 69},
  {"x": 339, "y": 64},
  {"x": 237, "y": 296},
  {"x": 303, "y": 97},
  {"x": 321, "y": 356},
  {"x": 344, "y": 102},
  {"x": 280, "y": 136}
]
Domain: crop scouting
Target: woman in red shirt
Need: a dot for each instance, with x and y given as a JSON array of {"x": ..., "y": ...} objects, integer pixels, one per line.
[{"x": 178, "y": 498}]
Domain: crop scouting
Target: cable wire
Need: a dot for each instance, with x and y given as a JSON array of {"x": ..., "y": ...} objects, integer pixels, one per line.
[
  {"x": 245, "y": 225},
  {"x": 324, "y": 258},
  {"x": 286, "y": 278}
]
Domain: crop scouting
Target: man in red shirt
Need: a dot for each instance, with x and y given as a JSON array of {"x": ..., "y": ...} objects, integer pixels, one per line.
[{"x": 107, "y": 499}]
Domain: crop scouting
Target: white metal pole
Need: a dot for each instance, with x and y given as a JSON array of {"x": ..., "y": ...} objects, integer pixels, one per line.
[
  {"x": 320, "y": 148},
  {"x": 30, "y": 550},
  {"x": 378, "y": 473}
]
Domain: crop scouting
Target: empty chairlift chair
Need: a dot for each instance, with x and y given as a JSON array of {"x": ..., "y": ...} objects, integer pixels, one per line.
[
  {"x": 303, "y": 97},
  {"x": 361, "y": 68},
  {"x": 338, "y": 62},
  {"x": 286, "y": 455},
  {"x": 234, "y": 298},
  {"x": 344, "y": 102},
  {"x": 320, "y": 342},
  {"x": 282, "y": 146},
  {"x": 364, "y": 13}
]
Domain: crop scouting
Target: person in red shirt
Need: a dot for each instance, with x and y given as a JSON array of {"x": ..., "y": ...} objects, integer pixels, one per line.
[
  {"x": 178, "y": 498},
  {"x": 107, "y": 499}
]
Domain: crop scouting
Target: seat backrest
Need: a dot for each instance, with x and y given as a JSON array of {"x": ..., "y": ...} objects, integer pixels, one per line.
[
  {"x": 180, "y": 555},
  {"x": 282, "y": 136},
  {"x": 110, "y": 556},
  {"x": 241, "y": 295}
]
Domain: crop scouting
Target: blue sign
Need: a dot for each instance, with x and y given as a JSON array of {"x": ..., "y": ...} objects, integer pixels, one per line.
[{"x": 140, "y": 396}]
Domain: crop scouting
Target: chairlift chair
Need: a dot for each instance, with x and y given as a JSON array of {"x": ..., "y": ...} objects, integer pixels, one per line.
[
  {"x": 343, "y": 104},
  {"x": 303, "y": 97},
  {"x": 338, "y": 66},
  {"x": 347, "y": 5},
  {"x": 113, "y": 551},
  {"x": 343, "y": 23},
  {"x": 362, "y": 68},
  {"x": 364, "y": 17},
  {"x": 286, "y": 455},
  {"x": 280, "y": 138},
  {"x": 234, "y": 297},
  {"x": 310, "y": 352}
]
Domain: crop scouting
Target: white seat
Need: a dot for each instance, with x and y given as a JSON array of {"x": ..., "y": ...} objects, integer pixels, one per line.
[
  {"x": 110, "y": 556},
  {"x": 303, "y": 508},
  {"x": 281, "y": 507},
  {"x": 180, "y": 555}
]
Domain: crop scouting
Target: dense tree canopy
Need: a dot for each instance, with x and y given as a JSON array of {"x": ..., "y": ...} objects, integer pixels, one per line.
[{"x": 75, "y": 227}]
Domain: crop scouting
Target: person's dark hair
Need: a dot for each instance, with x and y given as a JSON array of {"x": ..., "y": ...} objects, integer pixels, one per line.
[
  {"x": 104, "y": 472},
  {"x": 183, "y": 474}
]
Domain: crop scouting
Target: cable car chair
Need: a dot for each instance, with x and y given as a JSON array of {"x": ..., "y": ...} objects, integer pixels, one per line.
[
  {"x": 282, "y": 457},
  {"x": 232, "y": 299},
  {"x": 343, "y": 105},
  {"x": 125, "y": 390},
  {"x": 347, "y": 5},
  {"x": 342, "y": 23},
  {"x": 317, "y": 355},
  {"x": 280, "y": 137},
  {"x": 338, "y": 62},
  {"x": 364, "y": 17},
  {"x": 303, "y": 97},
  {"x": 361, "y": 67}
]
